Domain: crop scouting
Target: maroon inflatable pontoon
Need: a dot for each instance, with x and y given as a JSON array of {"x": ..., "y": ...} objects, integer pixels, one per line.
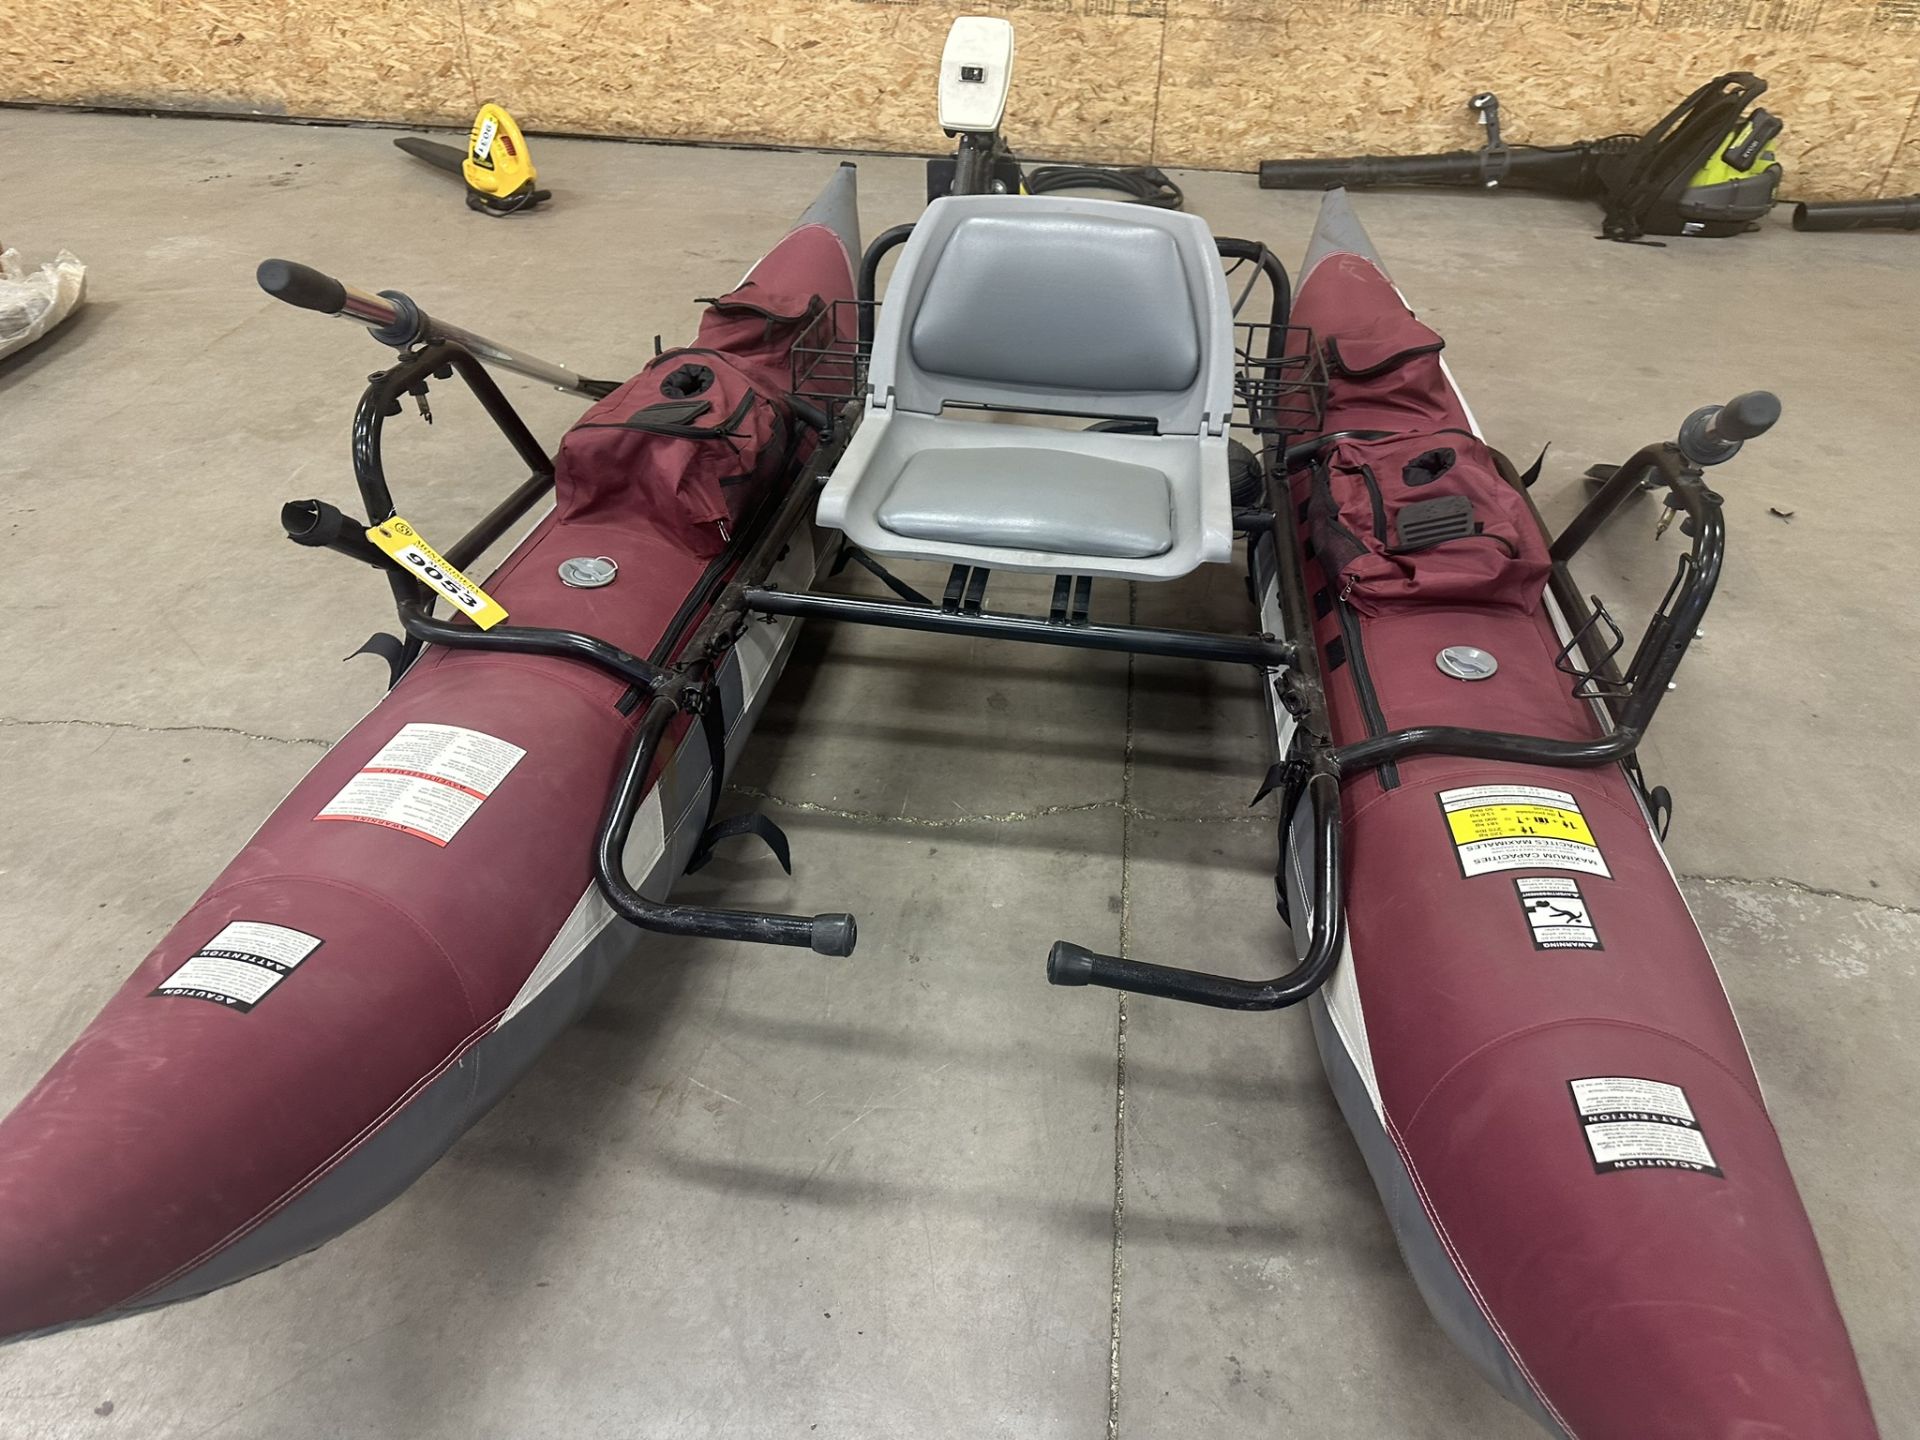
[
  {"x": 1516, "y": 1011},
  {"x": 420, "y": 917},
  {"x": 1526, "y": 1033}
]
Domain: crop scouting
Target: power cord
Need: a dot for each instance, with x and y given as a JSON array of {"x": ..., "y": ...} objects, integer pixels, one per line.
[{"x": 1146, "y": 184}]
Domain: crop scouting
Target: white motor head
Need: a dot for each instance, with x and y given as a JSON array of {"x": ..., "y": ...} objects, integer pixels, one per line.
[{"x": 976, "y": 69}]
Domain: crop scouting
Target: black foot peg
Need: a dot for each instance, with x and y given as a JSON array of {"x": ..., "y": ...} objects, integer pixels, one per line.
[
  {"x": 1070, "y": 964},
  {"x": 833, "y": 935}
]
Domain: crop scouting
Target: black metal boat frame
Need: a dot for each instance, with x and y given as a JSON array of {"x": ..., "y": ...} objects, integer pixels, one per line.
[{"x": 676, "y": 679}]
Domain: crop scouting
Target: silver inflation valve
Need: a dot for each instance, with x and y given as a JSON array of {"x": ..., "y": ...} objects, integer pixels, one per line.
[
  {"x": 1466, "y": 662},
  {"x": 588, "y": 572}
]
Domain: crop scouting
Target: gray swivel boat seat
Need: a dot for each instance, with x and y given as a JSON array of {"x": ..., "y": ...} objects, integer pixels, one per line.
[{"x": 1066, "y": 307}]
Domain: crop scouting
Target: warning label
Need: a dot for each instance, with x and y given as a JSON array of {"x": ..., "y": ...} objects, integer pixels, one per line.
[
  {"x": 1556, "y": 914},
  {"x": 1519, "y": 827},
  {"x": 1634, "y": 1124},
  {"x": 240, "y": 964},
  {"x": 428, "y": 781}
]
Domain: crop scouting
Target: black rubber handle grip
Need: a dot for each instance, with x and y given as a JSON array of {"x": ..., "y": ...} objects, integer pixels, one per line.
[
  {"x": 1746, "y": 416},
  {"x": 1070, "y": 964},
  {"x": 314, "y": 522},
  {"x": 302, "y": 285},
  {"x": 323, "y": 526},
  {"x": 1713, "y": 434},
  {"x": 834, "y": 935}
]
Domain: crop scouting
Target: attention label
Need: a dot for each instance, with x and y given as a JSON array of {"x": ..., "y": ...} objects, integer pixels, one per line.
[
  {"x": 1556, "y": 914},
  {"x": 240, "y": 965},
  {"x": 1519, "y": 827},
  {"x": 1640, "y": 1125},
  {"x": 428, "y": 781}
]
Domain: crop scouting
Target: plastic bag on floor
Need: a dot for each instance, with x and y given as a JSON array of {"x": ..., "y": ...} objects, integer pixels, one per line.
[{"x": 32, "y": 302}]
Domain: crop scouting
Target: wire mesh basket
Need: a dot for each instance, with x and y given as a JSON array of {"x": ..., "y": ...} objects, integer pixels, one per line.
[
  {"x": 1280, "y": 379},
  {"x": 827, "y": 362}
]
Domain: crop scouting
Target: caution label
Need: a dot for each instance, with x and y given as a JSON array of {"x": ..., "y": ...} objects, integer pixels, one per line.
[
  {"x": 237, "y": 967},
  {"x": 1634, "y": 1124},
  {"x": 1556, "y": 914},
  {"x": 1519, "y": 827},
  {"x": 428, "y": 781}
]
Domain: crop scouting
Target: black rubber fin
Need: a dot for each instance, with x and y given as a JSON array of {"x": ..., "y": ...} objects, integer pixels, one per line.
[
  {"x": 751, "y": 823},
  {"x": 1532, "y": 472},
  {"x": 391, "y": 648}
]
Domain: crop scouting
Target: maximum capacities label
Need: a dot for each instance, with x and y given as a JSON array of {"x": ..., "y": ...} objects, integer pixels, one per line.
[
  {"x": 1557, "y": 916},
  {"x": 1634, "y": 1124},
  {"x": 427, "y": 781},
  {"x": 1519, "y": 827},
  {"x": 237, "y": 967}
]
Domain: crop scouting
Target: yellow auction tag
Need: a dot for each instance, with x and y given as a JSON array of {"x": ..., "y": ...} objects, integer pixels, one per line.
[{"x": 413, "y": 555}]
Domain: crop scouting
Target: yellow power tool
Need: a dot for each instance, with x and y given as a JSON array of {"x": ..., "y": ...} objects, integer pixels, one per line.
[{"x": 496, "y": 166}]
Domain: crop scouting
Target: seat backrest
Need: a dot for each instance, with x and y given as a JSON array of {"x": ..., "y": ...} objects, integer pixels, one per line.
[{"x": 1091, "y": 307}]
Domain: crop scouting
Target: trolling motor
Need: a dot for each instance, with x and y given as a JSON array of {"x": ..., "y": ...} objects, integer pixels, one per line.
[
  {"x": 496, "y": 167},
  {"x": 1706, "y": 170},
  {"x": 976, "y": 71}
]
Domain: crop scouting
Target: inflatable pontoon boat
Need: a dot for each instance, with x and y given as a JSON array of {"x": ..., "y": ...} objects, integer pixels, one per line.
[{"x": 1515, "y": 1009}]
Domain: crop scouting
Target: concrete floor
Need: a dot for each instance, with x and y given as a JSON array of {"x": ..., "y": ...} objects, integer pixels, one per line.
[{"x": 918, "y": 1191}]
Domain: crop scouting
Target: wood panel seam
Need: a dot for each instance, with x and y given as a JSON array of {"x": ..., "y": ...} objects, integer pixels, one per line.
[
  {"x": 1899, "y": 147},
  {"x": 466, "y": 55},
  {"x": 1159, "y": 89}
]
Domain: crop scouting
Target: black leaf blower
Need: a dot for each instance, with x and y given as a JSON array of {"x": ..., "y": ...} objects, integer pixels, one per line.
[
  {"x": 1707, "y": 169},
  {"x": 1900, "y": 213}
]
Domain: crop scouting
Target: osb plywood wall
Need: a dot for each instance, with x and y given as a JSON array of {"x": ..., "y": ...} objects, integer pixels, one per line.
[{"x": 1221, "y": 83}]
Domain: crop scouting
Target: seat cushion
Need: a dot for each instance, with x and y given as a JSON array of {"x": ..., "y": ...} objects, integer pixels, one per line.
[
  {"x": 1064, "y": 303},
  {"x": 1031, "y": 499}
]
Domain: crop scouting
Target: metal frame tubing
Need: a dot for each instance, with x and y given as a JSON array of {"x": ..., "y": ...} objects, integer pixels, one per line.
[
  {"x": 382, "y": 398},
  {"x": 824, "y": 934},
  {"x": 829, "y": 934},
  {"x": 1664, "y": 459},
  {"x": 417, "y": 619},
  {"x": 414, "y": 601},
  {"x": 1261, "y": 650},
  {"x": 1662, "y": 647},
  {"x": 1276, "y": 273},
  {"x": 1069, "y": 964}
]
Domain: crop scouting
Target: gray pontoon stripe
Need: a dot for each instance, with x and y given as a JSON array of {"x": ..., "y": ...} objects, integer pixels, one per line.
[
  {"x": 1432, "y": 1268},
  {"x": 838, "y": 208},
  {"x": 1338, "y": 231},
  {"x": 1433, "y": 1272},
  {"x": 404, "y": 1148}
]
